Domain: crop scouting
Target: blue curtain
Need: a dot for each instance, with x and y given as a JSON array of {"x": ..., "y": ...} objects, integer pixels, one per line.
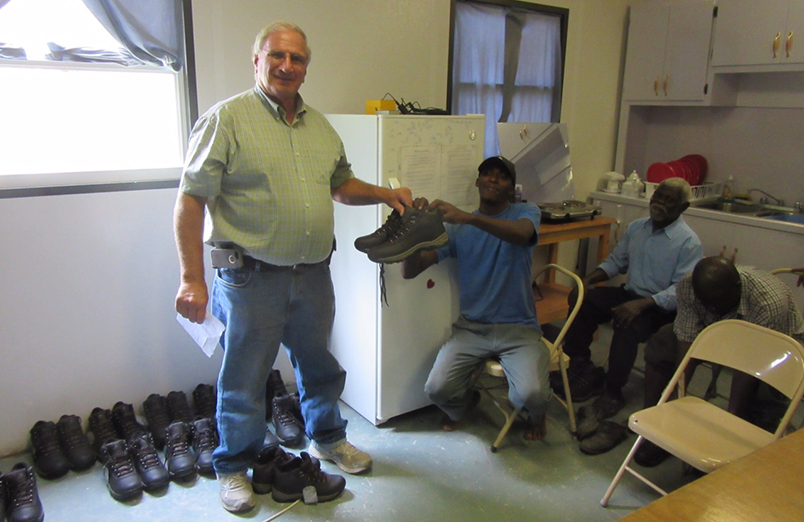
[{"x": 151, "y": 30}]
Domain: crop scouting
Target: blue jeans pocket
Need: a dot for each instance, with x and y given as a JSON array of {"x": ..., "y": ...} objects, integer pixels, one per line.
[{"x": 234, "y": 277}]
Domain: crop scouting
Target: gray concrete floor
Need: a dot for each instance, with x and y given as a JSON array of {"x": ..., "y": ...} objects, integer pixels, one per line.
[{"x": 420, "y": 474}]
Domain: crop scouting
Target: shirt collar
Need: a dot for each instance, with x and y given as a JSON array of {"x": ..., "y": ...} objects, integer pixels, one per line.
[
  {"x": 276, "y": 109},
  {"x": 672, "y": 230}
]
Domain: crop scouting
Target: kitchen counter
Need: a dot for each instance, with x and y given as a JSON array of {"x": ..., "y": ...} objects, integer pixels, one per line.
[{"x": 752, "y": 221}]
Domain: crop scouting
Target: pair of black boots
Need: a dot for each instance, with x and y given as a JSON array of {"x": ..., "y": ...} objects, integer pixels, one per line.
[
  {"x": 285, "y": 411},
  {"x": 289, "y": 478},
  {"x": 403, "y": 235},
  {"x": 19, "y": 496},
  {"x": 60, "y": 447}
]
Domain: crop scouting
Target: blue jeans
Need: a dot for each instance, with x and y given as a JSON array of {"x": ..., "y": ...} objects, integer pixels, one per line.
[
  {"x": 261, "y": 308},
  {"x": 524, "y": 358}
]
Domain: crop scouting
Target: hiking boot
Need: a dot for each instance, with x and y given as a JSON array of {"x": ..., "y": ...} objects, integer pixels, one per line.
[
  {"x": 588, "y": 421},
  {"x": 178, "y": 457},
  {"x": 275, "y": 386},
  {"x": 102, "y": 428},
  {"x": 74, "y": 443},
  {"x": 22, "y": 501},
  {"x": 149, "y": 466},
  {"x": 236, "y": 493},
  {"x": 608, "y": 435},
  {"x": 156, "y": 415},
  {"x": 49, "y": 459},
  {"x": 609, "y": 404},
  {"x": 270, "y": 457},
  {"x": 178, "y": 408},
  {"x": 297, "y": 409},
  {"x": 649, "y": 454},
  {"x": 125, "y": 421},
  {"x": 585, "y": 382},
  {"x": 380, "y": 236},
  {"x": 205, "y": 440},
  {"x": 287, "y": 427},
  {"x": 121, "y": 475},
  {"x": 347, "y": 457},
  {"x": 205, "y": 401},
  {"x": 295, "y": 476},
  {"x": 419, "y": 230}
]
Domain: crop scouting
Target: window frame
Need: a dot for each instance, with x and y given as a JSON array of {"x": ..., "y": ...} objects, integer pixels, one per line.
[
  {"x": 561, "y": 12},
  {"x": 136, "y": 179}
]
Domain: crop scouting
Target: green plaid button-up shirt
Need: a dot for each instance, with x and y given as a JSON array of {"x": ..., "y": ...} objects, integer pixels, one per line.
[{"x": 267, "y": 182}]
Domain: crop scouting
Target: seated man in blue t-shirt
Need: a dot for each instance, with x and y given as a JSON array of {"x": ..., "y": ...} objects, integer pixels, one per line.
[{"x": 493, "y": 246}]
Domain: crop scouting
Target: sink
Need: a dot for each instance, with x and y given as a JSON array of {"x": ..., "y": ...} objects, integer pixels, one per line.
[
  {"x": 731, "y": 207},
  {"x": 790, "y": 217}
]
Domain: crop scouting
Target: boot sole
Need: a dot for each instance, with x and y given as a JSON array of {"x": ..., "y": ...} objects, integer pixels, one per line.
[
  {"x": 280, "y": 496},
  {"x": 438, "y": 242}
]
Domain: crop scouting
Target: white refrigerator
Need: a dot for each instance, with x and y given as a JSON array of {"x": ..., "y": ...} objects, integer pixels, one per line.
[{"x": 388, "y": 349}]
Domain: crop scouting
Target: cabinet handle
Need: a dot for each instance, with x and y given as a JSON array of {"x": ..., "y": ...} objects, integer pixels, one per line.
[
  {"x": 656, "y": 86},
  {"x": 788, "y": 46},
  {"x": 666, "y": 83},
  {"x": 776, "y": 44}
]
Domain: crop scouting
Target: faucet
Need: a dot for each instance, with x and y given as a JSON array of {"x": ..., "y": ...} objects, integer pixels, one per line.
[{"x": 764, "y": 200}]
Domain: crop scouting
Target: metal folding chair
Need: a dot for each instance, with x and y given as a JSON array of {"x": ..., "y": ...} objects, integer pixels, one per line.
[
  {"x": 701, "y": 434},
  {"x": 559, "y": 361}
]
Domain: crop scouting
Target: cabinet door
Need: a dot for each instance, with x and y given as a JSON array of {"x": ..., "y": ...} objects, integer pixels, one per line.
[
  {"x": 716, "y": 236},
  {"x": 689, "y": 32},
  {"x": 794, "y": 31},
  {"x": 644, "y": 61},
  {"x": 746, "y": 30},
  {"x": 668, "y": 52}
]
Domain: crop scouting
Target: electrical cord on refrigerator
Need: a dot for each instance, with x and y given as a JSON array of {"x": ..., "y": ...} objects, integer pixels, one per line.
[{"x": 414, "y": 107}]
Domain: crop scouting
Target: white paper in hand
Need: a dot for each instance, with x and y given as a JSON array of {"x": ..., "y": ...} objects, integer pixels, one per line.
[{"x": 207, "y": 335}]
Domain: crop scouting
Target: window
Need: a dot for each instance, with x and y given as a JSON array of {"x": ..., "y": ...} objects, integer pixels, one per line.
[
  {"x": 81, "y": 108},
  {"x": 507, "y": 63}
]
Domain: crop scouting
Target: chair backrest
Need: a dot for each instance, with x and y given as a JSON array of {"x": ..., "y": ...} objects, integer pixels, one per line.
[
  {"x": 578, "y": 284},
  {"x": 770, "y": 356}
]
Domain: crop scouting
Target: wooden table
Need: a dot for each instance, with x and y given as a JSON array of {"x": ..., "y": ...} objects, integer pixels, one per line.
[
  {"x": 766, "y": 486},
  {"x": 551, "y": 305}
]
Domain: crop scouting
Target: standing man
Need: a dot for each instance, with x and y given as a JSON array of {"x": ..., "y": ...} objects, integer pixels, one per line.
[
  {"x": 494, "y": 249},
  {"x": 717, "y": 289},
  {"x": 655, "y": 252},
  {"x": 266, "y": 168}
]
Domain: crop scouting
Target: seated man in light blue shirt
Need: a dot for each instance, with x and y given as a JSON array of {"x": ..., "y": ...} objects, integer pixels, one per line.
[{"x": 655, "y": 252}]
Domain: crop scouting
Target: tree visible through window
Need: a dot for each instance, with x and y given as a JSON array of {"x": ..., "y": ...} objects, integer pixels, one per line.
[
  {"x": 507, "y": 63},
  {"x": 93, "y": 91}
]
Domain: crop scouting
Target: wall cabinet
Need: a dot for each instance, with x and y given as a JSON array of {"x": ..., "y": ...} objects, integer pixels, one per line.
[
  {"x": 668, "y": 52},
  {"x": 758, "y": 36}
]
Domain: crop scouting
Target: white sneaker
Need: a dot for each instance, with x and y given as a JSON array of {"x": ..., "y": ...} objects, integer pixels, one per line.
[
  {"x": 347, "y": 457},
  {"x": 236, "y": 493}
]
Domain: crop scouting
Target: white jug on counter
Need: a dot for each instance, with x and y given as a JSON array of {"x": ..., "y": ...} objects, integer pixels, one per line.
[{"x": 633, "y": 186}]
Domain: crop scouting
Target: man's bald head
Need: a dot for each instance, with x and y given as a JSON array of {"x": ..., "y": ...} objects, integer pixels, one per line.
[{"x": 716, "y": 283}]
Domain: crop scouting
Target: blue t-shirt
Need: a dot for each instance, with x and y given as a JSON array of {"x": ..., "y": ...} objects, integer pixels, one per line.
[{"x": 494, "y": 276}]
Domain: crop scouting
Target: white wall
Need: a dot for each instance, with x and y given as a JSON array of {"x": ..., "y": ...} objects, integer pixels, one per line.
[{"x": 88, "y": 281}]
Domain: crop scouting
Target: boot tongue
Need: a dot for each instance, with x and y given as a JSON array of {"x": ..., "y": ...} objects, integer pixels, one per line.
[{"x": 309, "y": 464}]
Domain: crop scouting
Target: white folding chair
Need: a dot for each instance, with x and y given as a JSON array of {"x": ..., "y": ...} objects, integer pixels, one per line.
[
  {"x": 701, "y": 434},
  {"x": 559, "y": 361}
]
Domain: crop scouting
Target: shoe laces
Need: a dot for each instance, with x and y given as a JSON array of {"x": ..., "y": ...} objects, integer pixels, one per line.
[
  {"x": 45, "y": 440},
  {"x": 146, "y": 454},
  {"x": 156, "y": 412},
  {"x": 70, "y": 433},
  {"x": 284, "y": 415},
  {"x": 178, "y": 445},
  {"x": 236, "y": 482},
  {"x": 204, "y": 403},
  {"x": 121, "y": 465},
  {"x": 178, "y": 407},
  {"x": 204, "y": 439},
  {"x": 23, "y": 493}
]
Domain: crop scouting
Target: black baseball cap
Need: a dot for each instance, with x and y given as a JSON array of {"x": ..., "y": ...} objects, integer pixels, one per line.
[{"x": 498, "y": 162}]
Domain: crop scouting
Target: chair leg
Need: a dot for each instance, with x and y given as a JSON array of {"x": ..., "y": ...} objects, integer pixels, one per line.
[
  {"x": 568, "y": 397},
  {"x": 625, "y": 467},
  {"x": 509, "y": 421}
]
